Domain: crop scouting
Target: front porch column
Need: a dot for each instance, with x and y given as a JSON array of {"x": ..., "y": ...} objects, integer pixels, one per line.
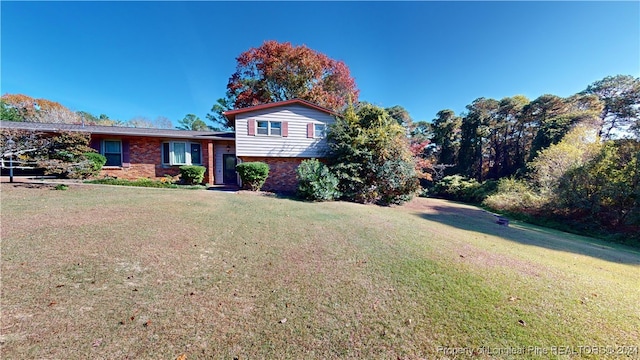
[{"x": 209, "y": 156}]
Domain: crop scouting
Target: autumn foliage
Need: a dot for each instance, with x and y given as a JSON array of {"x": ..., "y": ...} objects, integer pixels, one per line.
[
  {"x": 39, "y": 110},
  {"x": 280, "y": 71}
]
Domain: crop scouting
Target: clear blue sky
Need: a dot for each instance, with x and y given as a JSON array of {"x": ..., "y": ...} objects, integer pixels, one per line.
[{"x": 172, "y": 58}]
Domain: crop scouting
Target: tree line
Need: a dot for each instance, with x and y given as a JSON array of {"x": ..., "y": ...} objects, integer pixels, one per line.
[
  {"x": 574, "y": 160},
  {"x": 19, "y": 107}
]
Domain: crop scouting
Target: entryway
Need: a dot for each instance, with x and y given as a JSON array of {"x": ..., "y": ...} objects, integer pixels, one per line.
[{"x": 229, "y": 176}]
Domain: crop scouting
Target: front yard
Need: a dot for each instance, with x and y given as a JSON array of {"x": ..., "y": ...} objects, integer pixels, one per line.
[{"x": 113, "y": 272}]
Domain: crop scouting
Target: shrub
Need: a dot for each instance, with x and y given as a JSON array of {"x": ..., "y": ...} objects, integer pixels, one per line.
[
  {"x": 316, "y": 182},
  {"x": 61, "y": 187},
  {"x": 97, "y": 162},
  {"x": 485, "y": 190},
  {"x": 192, "y": 174},
  {"x": 456, "y": 187},
  {"x": 142, "y": 182},
  {"x": 515, "y": 196},
  {"x": 399, "y": 182},
  {"x": 371, "y": 157},
  {"x": 253, "y": 174},
  {"x": 65, "y": 156}
]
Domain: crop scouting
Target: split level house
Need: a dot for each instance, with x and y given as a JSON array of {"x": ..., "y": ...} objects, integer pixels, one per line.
[{"x": 281, "y": 134}]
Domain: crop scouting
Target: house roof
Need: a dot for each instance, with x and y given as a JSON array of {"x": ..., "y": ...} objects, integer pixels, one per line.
[
  {"x": 231, "y": 114},
  {"x": 118, "y": 130}
]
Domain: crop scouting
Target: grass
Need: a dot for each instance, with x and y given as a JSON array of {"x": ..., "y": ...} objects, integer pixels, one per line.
[{"x": 114, "y": 272}]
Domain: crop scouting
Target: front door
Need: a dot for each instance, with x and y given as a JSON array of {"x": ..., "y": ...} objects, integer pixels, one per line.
[{"x": 229, "y": 169}]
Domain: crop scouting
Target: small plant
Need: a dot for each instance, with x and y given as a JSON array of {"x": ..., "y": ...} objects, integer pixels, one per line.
[
  {"x": 253, "y": 174},
  {"x": 316, "y": 182},
  {"x": 192, "y": 174},
  {"x": 168, "y": 179},
  {"x": 61, "y": 187}
]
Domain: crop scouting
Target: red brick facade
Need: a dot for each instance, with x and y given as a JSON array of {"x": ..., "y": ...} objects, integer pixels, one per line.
[
  {"x": 282, "y": 172},
  {"x": 145, "y": 159}
]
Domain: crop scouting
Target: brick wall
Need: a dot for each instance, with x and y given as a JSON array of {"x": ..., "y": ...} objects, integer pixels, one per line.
[
  {"x": 145, "y": 160},
  {"x": 282, "y": 173}
]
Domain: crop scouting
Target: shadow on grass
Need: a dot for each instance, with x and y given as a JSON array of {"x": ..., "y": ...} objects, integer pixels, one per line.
[
  {"x": 474, "y": 219},
  {"x": 27, "y": 185}
]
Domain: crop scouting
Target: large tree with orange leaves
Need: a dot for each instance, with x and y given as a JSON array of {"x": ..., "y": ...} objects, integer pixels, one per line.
[
  {"x": 280, "y": 71},
  {"x": 38, "y": 110}
]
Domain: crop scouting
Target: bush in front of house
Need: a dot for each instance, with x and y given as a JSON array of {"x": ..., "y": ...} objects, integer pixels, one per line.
[
  {"x": 253, "y": 174},
  {"x": 316, "y": 182},
  {"x": 192, "y": 174},
  {"x": 97, "y": 161},
  {"x": 65, "y": 155},
  {"x": 143, "y": 182}
]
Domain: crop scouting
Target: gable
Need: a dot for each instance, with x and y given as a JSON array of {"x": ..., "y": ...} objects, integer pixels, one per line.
[{"x": 294, "y": 137}]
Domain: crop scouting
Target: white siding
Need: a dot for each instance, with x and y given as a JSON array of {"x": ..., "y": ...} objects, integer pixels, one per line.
[
  {"x": 295, "y": 145},
  {"x": 220, "y": 148}
]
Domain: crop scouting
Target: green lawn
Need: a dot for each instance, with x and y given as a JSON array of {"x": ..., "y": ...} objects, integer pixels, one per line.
[{"x": 113, "y": 272}]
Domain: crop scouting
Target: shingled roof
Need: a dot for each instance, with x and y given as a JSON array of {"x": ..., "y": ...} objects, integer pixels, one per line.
[{"x": 118, "y": 130}]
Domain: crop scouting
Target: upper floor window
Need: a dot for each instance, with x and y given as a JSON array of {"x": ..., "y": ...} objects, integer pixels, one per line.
[
  {"x": 112, "y": 150},
  {"x": 181, "y": 153},
  {"x": 319, "y": 130},
  {"x": 269, "y": 128}
]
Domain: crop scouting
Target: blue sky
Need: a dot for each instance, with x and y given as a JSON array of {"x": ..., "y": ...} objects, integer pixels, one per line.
[{"x": 168, "y": 59}]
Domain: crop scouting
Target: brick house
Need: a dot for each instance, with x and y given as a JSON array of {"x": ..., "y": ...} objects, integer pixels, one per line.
[{"x": 282, "y": 134}]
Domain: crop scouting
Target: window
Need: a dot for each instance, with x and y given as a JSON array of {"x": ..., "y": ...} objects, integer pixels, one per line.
[
  {"x": 319, "y": 130},
  {"x": 263, "y": 128},
  {"x": 273, "y": 128},
  {"x": 195, "y": 153},
  {"x": 181, "y": 153},
  {"x": 112, "y": 150},
  {"x": 166, "y": 153}
]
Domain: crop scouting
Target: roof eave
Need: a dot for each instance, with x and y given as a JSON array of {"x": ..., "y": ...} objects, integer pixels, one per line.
[{"x": 231, "y": 114}]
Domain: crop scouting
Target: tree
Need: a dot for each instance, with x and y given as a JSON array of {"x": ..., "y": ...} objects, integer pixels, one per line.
[
  {"x": 8, "y": 112},
  {"x": 555, "y": 117},
  {"x": 140, "y": 122},
  {"x": 509, "y": 138},
  {"x": 371, "y": 156},
  {"x": 192, "y": 122},
  {"x": 24, "y": 143},
  {"x": 446, "y": 136},
  {"x": 605, "y": 189},
  {"x": 400, "y": 115},
  {"x": 216, "y": 116},
  {"x": 578, "y": 147},
  {"x": 64, "y": 154},
  {"x": 280, "y": 71},
  {"x": 473, "y": 135},
  {"x": 621, "y": 97},
  {"x": 40, "y": 110},
  {"x": 542, "y": 114},
  {"x": 102, "y": 120},
  {"x": 163, "y": 122}
]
